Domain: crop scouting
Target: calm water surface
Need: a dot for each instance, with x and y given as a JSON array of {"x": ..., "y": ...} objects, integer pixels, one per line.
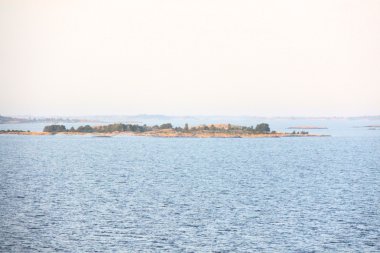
[{"x": 87, "y": 194}]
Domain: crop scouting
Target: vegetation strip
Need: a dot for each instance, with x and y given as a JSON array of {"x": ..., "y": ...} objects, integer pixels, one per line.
[{"x": 167, "y": 130}]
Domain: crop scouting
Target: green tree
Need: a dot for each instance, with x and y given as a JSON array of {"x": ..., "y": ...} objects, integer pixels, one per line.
[
  {"x": 262, "y": 128},
  {"x": 55, "y": 128},
  {"x": 166, "y": 126},
  {"x": 85, "y": 129}
]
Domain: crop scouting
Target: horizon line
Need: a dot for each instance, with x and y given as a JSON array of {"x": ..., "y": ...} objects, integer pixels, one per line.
[{"x": 184, "y": 115}]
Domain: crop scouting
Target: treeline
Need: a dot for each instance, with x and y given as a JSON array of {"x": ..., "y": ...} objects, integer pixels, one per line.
[
  {"x": 90, "y": 129},
  {"x": 302, "y": 132},
  {"x": 55, "y": 128},
  {"x": 119, "y": 127},
  {"x": 13, "y": 131},
  {"x": 260, "y": 128}
]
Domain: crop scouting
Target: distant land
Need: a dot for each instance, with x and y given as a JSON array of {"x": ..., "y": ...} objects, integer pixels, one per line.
[
  {"x": 261, "y": 130},
  {"x": 157, "y": 118},
  {"x": 13, "y": 120},
  {"x": 216, "y": 118},
  {"x": 306, "y": 127},
  {"x": 373, "y": 127}
]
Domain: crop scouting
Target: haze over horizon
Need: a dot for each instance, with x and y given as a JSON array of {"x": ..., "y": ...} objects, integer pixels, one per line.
[
  {"x": 272, "y": 58},
  {"x": 117, "y": 116}
]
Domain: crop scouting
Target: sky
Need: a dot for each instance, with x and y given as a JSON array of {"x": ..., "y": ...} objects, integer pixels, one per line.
[{"x": 198, "y": 57}]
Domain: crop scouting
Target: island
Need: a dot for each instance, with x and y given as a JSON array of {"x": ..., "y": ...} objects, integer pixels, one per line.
[
  {"x": 307, "y": 127},
  {"x": 12, "y": 120},
  {"x": 261, "y": 130},
  {"x": 373, "y": 127}
]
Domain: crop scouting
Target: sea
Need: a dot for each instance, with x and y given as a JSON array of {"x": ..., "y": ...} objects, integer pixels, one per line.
[{"x": 145, "y": 194}]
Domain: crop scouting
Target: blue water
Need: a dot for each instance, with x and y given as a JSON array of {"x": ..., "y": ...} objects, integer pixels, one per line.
[{"x": 128, "y": 194}]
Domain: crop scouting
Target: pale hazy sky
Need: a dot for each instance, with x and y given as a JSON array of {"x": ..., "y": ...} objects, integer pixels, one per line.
[{"x": 177, "y": 57}]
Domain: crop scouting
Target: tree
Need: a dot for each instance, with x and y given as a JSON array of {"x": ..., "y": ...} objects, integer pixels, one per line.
[
  {"x": 55, "y": 128},
  {"x": 166, "y": 126},
  {"x": 178, "y": 129},
  {"x": 85, "y": 129},
  {"x": 262, "y": 128}
]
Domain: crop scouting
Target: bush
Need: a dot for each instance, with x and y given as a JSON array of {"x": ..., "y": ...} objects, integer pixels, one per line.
[
  {"x": 85, "y": 129},
  {"x": 166, "y": 126},
  {"x": 55, "y": 128},
  {"x": 262, "y": 128}
]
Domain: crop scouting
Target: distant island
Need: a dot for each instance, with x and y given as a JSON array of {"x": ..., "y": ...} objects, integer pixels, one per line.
[
  {"x": 167, "y": 130},
  {"x": 13, "y": 120},
  {"x": 306, "y": 127},
  {"x": 373, "y": 127},
  {"x": 157, "y": 118}
]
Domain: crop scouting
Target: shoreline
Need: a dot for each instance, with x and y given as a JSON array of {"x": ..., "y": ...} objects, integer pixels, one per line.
[
  {"x": 167, "y": 130},
  {"x": 169, "y": 134}
]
